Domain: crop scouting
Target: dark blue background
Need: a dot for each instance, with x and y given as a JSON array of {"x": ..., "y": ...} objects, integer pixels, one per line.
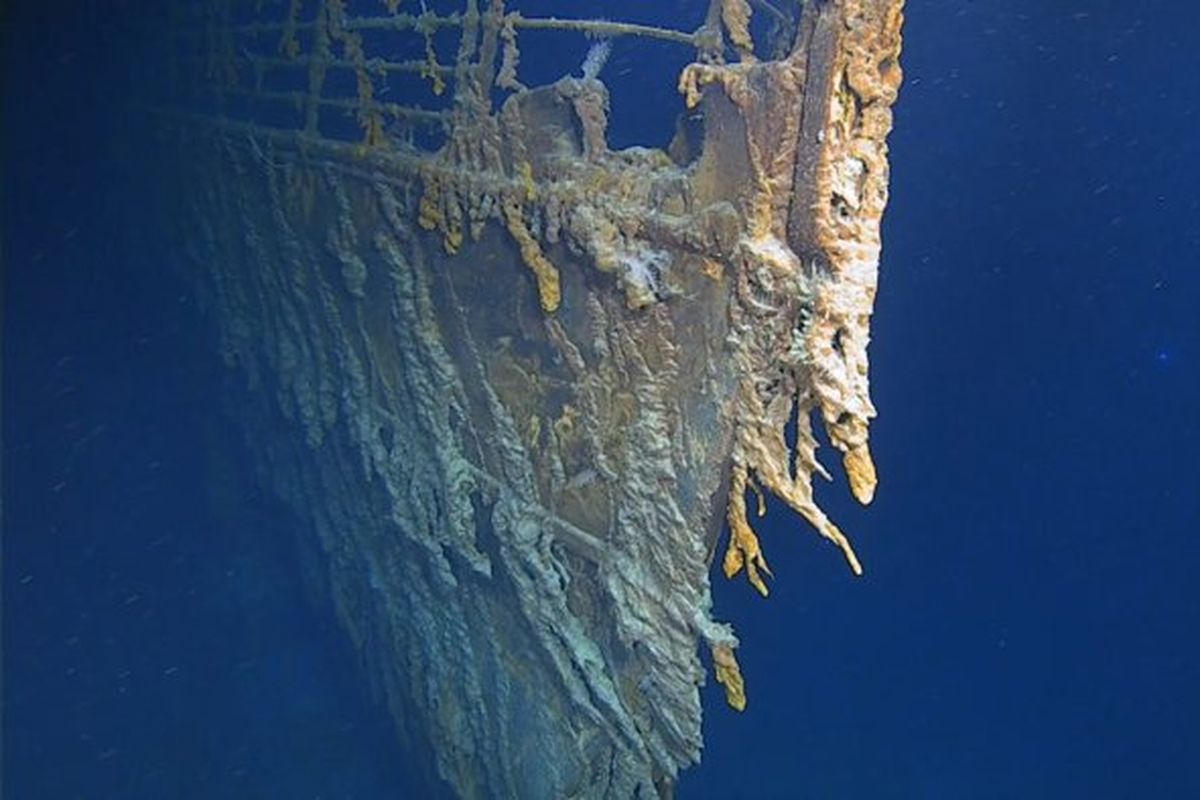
[{"x": 1026, "y": 626}]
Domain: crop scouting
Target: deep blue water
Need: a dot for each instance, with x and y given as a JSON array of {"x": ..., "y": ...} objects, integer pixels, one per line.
[{"x": 1026, "y": 626}]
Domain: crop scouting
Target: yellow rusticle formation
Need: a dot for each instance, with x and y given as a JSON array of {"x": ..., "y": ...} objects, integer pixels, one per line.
[
  {"x": 549, "y": 290},
  {"x": 743, "y": 549},
  {"x": 429, "y": 210},
  {"x": 429, "y": 68},
  {"x": 762, "y": 457},
  {"x": 729, "y": 675},
  {"x": 735, "y": 16},
  {"x": 848, "y": 196},
  {"x": 528, "y": 185},
  {"x": 812, "y": 211},
  {"x": 860, "y": 472},
  {"x": 506, "y": 77},
  {"x": 694, "y": 78},
  {"x": 440, "y": 211}
]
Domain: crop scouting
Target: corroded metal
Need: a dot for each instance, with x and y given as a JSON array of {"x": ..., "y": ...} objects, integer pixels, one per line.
[{"x": 514, "y": 381}]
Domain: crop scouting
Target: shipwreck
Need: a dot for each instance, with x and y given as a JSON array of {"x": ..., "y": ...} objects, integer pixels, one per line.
[{"x": 527, "y": 389}]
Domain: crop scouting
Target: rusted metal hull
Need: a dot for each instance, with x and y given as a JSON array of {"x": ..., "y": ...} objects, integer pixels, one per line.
[{"x": 516, "y": 384}]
